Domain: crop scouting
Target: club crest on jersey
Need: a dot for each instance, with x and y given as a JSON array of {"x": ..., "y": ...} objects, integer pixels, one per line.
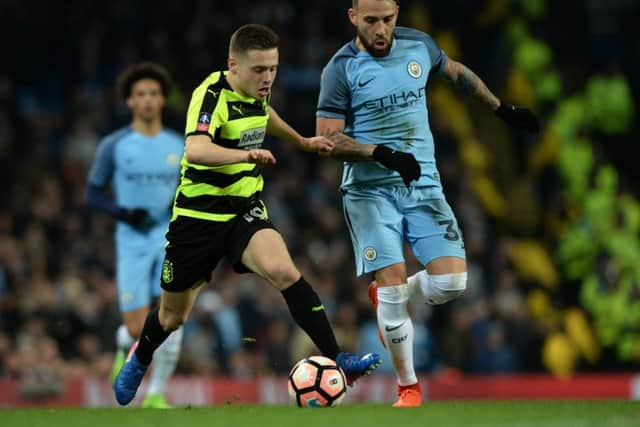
[
  {"x": 203, "y": 121},
  {"x": 415, "y": 69},
  {"x": 167, "y": 271},
  {"x": 370, "y": 253},
  {"x": 252, "y": 138},
  {"x": 173, "y": 159}
]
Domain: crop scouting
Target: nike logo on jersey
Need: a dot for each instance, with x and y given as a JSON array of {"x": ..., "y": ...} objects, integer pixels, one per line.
[
  {"x": 317, "y": 308},
  {"x": 366, "y": 82},
  {"x": 389, "y": 329},
  {"x": 215, "y": 94}
]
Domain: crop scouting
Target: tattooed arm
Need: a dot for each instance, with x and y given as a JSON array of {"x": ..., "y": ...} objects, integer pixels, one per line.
[
  {"x": 345, "y": 148},
  {"x": 348, "y": 149},
  {"x": 467, "y": 82}
]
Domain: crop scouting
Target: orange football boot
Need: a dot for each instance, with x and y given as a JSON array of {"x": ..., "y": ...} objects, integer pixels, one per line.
[{"x": 409, "y": 396}]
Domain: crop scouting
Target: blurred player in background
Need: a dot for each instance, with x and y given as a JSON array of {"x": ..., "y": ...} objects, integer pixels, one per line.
[
  {"x": 373, "y": 106},
  {"x": 141, "y": 164},
  {"x": 218, "y": 212}
]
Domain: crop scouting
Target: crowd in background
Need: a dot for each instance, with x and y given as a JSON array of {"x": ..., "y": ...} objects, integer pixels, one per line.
[{"x": 523, "y": 311}]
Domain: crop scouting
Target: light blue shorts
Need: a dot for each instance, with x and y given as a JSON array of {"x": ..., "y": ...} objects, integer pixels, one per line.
[
  {"x": 138, "y": 275},
  {"x": 381, "y": 219}
]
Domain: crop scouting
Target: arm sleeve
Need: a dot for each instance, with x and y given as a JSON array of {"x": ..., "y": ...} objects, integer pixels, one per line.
[
  {"x": 96, "y": 198},
  {"x": 437, "y": 55},
  {"x": 99, "y": 178},
  {"x": 334, "y": 98},
  {"x": 203, "y": 116},
  {"x": 103, "y": 165}
]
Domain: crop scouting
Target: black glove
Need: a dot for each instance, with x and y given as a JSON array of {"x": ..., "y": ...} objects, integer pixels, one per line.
[
  {"x": 138, "y": 218},
  {"x": 404, "y": 163},
  {"x": 518, "y": 117}
]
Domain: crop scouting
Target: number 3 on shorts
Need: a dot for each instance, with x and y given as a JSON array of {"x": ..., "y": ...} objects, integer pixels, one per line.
[{"x": 452, "y": 232}]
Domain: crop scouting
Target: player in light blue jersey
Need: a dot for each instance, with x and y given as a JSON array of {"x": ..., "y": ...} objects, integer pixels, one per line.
[
  {"x": 373, "y": 106},
  {"x": 141, "y": 165}
]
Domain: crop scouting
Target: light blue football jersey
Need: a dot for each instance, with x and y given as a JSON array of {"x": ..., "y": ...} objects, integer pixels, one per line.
[
  {"x": 383, "y": 101},
  {"x": 144, "y": 172}
]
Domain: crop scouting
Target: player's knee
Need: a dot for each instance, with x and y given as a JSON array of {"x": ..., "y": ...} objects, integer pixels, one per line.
[
  {"x": 134, "y": 330},
  {"x": 446, "y": 287},
  {"x": 281, "y": 274},
  {"x": 171, "y": 320},
  {"x": 172, "y": 323}
]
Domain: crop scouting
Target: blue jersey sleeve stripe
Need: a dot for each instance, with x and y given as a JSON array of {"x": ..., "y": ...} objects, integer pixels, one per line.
[
  {"x": 334, "y": 88},
  {"x": 333, "y": 110},
  {"x": 437, "y": 55},
  {"x": 103, "y": 164}
]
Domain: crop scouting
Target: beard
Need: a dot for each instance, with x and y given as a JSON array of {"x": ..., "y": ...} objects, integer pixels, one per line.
[{"x": 370, "y": 47}]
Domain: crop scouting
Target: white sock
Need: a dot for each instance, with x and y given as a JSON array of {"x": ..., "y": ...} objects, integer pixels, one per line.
[
  {"x": 164, "y": 362},
  {"x": 397, "y": 329},
  {"x": 124, "y": 341}
]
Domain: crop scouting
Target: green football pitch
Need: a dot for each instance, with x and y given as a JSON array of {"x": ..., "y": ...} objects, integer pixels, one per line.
[{"x": 449, "y": 414}]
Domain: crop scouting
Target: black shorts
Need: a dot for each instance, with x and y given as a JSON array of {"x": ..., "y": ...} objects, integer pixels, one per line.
[{"x": 195, "y": 246}]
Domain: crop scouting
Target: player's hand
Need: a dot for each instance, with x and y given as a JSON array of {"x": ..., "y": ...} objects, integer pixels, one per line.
[
  {"x": 319, "y": 144},
  {"x": 518, "y": 117},
  {"x": 138, "y": 218},
  {"x": 404, "y": 163},
  {"x": 261, "y": 156}
]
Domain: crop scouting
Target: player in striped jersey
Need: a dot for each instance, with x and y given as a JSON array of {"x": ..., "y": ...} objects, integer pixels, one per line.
[{"x": 218, "y": 212}]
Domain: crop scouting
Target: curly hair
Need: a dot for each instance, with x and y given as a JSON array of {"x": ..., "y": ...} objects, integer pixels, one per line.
[{"x": 143, "y": 70}]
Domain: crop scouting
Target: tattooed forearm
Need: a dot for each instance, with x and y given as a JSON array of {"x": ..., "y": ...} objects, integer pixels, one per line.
[
  {"x": 467, "y": 82},
  {"x": 348, "y": 149}
]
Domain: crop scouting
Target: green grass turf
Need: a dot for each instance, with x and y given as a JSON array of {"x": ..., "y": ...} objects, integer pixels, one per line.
[{"x": 450, "y": 414}]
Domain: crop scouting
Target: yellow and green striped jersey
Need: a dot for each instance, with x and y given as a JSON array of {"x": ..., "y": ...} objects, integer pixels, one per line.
[{"x": 219, "y": 193}]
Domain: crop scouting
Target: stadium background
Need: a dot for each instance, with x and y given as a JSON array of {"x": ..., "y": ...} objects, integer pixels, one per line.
[{"x": 551, "y": 223}]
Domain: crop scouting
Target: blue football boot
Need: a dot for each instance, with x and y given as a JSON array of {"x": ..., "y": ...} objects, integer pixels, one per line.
[
  {"x": 129, "y": 379},
  {"x": 355, "y": 366}
]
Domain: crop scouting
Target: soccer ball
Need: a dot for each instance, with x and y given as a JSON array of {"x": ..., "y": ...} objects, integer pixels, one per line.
[{"x": 317, "y": 381}]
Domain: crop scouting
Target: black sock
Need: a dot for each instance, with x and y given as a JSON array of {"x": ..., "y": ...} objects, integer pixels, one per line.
[
  {"x": 308, "y": 312},
  {"x": 151, "y": 337}
]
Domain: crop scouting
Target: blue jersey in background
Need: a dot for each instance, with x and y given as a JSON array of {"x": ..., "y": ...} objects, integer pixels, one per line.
[{"x": 144, "y": 172}]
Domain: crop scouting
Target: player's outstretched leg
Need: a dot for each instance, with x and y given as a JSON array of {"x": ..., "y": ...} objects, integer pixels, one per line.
[
  {"x": 129, "y": 378},
  {"x": 355, "y": 366},
  {"x": 308, "y": 312}
]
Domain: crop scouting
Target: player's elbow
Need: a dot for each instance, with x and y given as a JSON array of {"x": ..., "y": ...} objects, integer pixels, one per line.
[{"x": 192, "y": 152}]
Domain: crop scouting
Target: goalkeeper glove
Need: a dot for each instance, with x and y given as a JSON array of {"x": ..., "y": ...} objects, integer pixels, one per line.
[
  {"x": 403, "y": 163},
  {"x": 138, "y": 218},
  {"x": 518, "y": 117}
]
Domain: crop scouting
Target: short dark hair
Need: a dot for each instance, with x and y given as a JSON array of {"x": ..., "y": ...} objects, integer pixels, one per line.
[
  {"x": 143, "y": 70},
  {"x": 253, "y": 36},
  {"x": 355, "y": 3}
]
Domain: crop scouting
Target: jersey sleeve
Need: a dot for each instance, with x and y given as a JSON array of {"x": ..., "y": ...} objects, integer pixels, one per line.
[
  {"x": 437, "y": 55},
  {"x": 104, "y": 163},
  {"x": 333, "y": 101},
  {"x": 203, "y": 116}
]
